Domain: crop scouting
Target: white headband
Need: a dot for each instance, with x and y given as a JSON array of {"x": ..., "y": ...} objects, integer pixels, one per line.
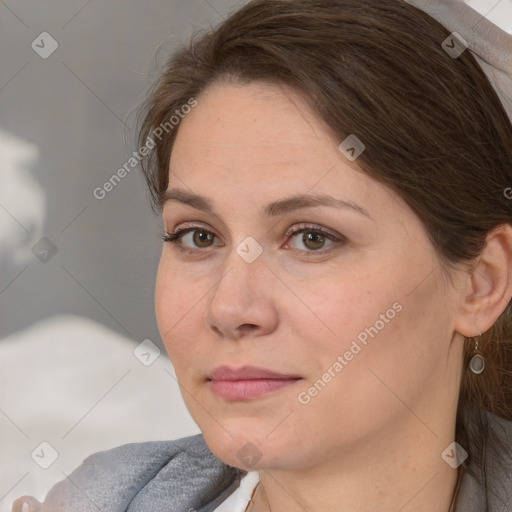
[{"x": 490, "y": 45}]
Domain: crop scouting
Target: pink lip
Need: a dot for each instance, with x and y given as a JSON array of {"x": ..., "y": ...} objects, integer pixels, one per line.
[
  {"x": 247, "y": 382},
  {"x": 247, "y": 373}
]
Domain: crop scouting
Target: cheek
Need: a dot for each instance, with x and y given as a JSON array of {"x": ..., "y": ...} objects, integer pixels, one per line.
[
  {"x": 381, "y": 322},
  {"x": 176, "y": 305},
  {"x": 353, "y": 304},
  {"x": 164, "y": 298}
]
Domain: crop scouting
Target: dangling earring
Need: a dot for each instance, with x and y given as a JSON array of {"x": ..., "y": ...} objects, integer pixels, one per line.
[{"x": 477, "y": 362}]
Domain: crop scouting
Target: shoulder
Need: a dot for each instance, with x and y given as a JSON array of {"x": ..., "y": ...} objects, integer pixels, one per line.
[
  {"x": 498, "y": 463},
  {"x": 156, "y": 475},
  {"x": 488, "y": 484}
]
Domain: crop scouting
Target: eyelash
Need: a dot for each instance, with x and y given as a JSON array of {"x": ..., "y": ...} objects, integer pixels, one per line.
[{"x": 175, "y": 238}]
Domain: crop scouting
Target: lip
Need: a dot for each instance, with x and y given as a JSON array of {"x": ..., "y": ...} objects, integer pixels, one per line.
[
  {"x": 247, "y": 373},
  {"x": 248, "y": 382}
]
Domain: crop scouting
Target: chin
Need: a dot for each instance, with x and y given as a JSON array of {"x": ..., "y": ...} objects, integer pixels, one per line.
[
  {"x": 241, "y": 446},
  {"x": 252, "y": 449}
]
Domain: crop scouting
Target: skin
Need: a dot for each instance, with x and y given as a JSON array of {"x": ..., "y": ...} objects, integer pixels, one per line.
[{"x": 371, "y": 439}]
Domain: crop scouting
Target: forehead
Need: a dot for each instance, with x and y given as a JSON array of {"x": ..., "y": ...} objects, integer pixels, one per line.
[
  {"x": 245, "y": 145},
  {"x": 271, "y": 123}
]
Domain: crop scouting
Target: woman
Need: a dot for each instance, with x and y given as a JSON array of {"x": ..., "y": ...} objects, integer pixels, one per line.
[{"x": 334, "y": 287}]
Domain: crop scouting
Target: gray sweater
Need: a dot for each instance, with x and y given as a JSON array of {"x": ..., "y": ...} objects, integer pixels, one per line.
[{"x": 184, "y": 476}]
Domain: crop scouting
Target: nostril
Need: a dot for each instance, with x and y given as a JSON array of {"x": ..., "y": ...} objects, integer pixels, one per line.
[{"x": 247, "y": 328}]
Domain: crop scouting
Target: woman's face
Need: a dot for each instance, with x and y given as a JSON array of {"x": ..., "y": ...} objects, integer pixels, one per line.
[{"x": 358, "y": 317}]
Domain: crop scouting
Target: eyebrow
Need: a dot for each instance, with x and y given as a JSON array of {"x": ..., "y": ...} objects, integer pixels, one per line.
[{"x": 273, "y": 209}]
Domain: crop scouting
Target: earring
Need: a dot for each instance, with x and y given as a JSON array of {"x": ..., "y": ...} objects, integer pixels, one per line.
[{"x": 477, "y": 362}]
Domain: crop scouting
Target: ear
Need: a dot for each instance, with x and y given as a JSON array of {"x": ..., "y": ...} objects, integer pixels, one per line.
[{"x": 488, "y": 289}]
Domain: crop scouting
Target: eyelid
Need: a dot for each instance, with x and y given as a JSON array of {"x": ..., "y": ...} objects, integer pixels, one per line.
[{"x": 305, "y": 226}]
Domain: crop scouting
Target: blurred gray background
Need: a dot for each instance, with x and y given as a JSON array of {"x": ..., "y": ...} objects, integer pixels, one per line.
[{"x": 72, "y": 106}]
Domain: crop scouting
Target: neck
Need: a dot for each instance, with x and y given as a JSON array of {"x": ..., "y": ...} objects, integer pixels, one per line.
[{"x": 401, "y": 472}]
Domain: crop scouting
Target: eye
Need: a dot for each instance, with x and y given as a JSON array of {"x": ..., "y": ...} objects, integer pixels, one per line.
[
  {"x": 200, "y": 237},
  {"x": 314, "y": 238}
]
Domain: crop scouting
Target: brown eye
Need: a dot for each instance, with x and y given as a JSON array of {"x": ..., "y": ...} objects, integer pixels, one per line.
[
  {"x": 313, "y": 239},
  {"x": 202, "y": 238}
]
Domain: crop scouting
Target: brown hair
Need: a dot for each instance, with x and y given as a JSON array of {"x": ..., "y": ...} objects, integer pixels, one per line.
[{"x": 434, "y": 129}]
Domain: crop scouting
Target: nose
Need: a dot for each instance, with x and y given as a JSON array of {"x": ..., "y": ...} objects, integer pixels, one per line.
[{"x": 242, "y": 302}]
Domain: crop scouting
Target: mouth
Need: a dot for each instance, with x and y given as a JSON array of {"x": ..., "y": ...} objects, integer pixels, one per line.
[{"x": 248, "y": 382}]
